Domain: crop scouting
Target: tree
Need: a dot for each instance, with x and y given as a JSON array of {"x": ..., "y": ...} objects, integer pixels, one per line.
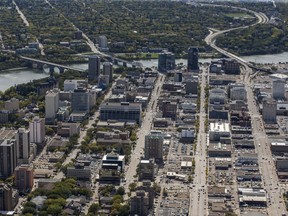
[
  {"x": 156, "y": 188},
  {"x": 93, "y": 208},
  {"x": 165, "y": 194},
  {"x": 120, "y": 191},
  {"x": 54, "y": 209},
  {"x": 124, "y": 210},
  {"x": 132, "y": 186},
  {"x": 30, "y": 210},
  {"x": 49, "y": 131}
]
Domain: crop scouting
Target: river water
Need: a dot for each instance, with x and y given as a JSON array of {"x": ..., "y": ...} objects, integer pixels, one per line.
[{"x": 13, "y": 77}]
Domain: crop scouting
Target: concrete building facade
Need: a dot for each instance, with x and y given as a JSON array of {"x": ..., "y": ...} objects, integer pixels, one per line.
[
  {"x": 166, "y": 61},
  {"x": 278, "y": 89},
  {"x": 108, "y": 70},
  {"x": 93, "y": 67},
  {"x": 139, "y": 203},
  {"x": 154, "y": 147},
  {"x": 192, "y": 61},
  {"x": 51, "y": 105},
  {"x": 269, "y": 111},
  {"x": 24, "y": 177},
  {"x": 22, "y": 137},
  {"x": 37, "y": 130},
  {"x": 8, "y": 158},
  {"x": 121, "y": 111}
]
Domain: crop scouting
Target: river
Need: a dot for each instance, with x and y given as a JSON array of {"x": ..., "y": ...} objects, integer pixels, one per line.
[{"x": 13, "y": 77}]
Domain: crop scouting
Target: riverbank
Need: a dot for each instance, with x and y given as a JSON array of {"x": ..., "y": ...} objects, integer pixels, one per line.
[{"x": 14, "y": 76}]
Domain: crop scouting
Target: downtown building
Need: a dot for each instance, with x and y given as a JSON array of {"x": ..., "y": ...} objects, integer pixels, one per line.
[
  {"x": 93, "y": 68},
  {"x": 22, "y": 138},
  {"x": 8, "y": 158},
  {"x": 37, "y": 130},
  {"x": 166, "y": 62},
  {"x": 124, "y": 111},
  {"x": 154, "y": 147},
  {"x": 192, "y": 61}
]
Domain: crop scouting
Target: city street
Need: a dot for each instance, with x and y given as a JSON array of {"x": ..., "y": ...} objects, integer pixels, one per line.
[
  {"x": 198, "y": 194},
  {"x": 143, "y": 131},
  {"x": 266, "y": 163}
]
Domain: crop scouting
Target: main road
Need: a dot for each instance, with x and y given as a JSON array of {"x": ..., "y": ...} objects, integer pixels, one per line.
[
  {"x": 275, "y": 204},
  {"x": 143, "y": 131},
  {"x": 198, "y": 193}
]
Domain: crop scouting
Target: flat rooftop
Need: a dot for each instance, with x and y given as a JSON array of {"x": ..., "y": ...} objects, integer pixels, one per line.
[{"x": 220, "y": 127}]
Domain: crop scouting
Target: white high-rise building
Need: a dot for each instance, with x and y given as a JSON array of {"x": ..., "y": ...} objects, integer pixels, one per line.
[
  {"x": 22, "y": 137},
  {"x": 51, "y": 105},
  {"x": 278, "y": 89},
  {"x": 37, "y": 130}
]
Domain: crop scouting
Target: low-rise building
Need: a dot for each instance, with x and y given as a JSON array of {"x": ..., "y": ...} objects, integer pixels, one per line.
[
  {"x": 218, "y": 130},
  {"x": 124, "y": 111},
  {"x": 79, "y": 171},
  {"x": 66, "y": 129},
  {"x": 113, "y": 160},
  {"x": 219, "y": 150}
]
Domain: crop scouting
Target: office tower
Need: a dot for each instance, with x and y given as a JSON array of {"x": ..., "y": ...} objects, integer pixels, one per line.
[
  {"x": 102, "y": 41},
  {"x": 154, "y": 147},
  {"x": 269, "y": 111},
  {"x": 166, "y": 61},
  {"x": 8, "y": 159},
  {"x": 192, "y": 61},
  {"x": 6, "y": 200},
  {"x": 147, "y": 169},
  {"x": 37, "y": 130},
  {"x": 24, "y": 177},
  {"x": 22, "y": 137},
  {"x": 80, "y": 101},
  {"x": 108, "y": 70},
  {"x": 169, "y": 109},
  {"x": 278, "y": 89},
  {"x": 51, "y": 105},
  {"x": 178, "y": 77},
  {"x": 93, "y": 67},
  {"x": 139, "y": 203},
  {"x": 191, "y": 86}
]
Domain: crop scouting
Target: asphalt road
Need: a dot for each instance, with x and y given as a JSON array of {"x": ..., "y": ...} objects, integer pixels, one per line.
[
  {"x": 266, "y": 164},
  {"x": 198, "y": 193},
  {"x": 143, "y": 131}
]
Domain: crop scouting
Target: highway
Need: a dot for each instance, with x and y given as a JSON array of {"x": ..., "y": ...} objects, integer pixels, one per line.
[
  {"x": 142, "y": 132},
  {"x": 198, "y": 193},
  {"x": 266, "y": 164}
]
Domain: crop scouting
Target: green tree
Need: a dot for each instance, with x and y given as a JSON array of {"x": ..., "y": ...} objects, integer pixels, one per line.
[
  {"x": 93, "y": 208},
  {"x": 124, "y": 210},
  {"x": 132, "y": 186},
  {"x": 54, "y": 209},
  {"x": 120, "y": 191}
]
